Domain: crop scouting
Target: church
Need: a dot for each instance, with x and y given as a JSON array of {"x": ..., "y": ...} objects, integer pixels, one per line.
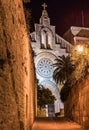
[{"x": 47, "y": 46}]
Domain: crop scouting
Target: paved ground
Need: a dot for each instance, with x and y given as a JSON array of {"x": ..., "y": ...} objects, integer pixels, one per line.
[{"x": 55, "y": 124}]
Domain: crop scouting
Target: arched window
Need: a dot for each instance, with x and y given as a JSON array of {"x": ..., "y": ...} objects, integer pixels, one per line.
[
  {"x": 46, "y": 39},
  {"x": 49, "y": 39},
  {"x": 43, "y": 39}
]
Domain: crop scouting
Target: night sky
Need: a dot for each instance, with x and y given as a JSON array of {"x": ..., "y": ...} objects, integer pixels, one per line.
[{"x": 62, "y": 13}]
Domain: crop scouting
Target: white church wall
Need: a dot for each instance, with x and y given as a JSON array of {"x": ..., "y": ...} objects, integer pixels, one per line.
[{"x": 47, "y": 47}]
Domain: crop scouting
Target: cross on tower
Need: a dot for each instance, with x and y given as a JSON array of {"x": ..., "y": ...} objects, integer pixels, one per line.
[{"x": 44, "y": 6}]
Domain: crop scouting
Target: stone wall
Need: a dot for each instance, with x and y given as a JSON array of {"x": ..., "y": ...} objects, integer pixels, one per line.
[
  {"x": 77, "y": 105},
  {"x": 16, "y": 69}
]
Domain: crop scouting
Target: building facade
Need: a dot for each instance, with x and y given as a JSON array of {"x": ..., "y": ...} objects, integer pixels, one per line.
[
  {"x": 76, "y": 34},
  {"x": 47, "y": 46}
]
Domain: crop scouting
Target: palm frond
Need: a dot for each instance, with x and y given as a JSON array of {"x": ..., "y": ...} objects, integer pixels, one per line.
[{"x": 62, "y": 68}]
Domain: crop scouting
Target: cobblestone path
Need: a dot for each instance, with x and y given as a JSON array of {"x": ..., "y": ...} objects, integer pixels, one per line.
[{"x": 55, "y": 124}]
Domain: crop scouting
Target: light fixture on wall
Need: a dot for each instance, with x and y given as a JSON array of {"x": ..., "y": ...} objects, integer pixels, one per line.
[{"x": 80, "y": 48}]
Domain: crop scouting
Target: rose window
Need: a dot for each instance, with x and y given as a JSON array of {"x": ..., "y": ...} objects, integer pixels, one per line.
[{"x": 45, "y": 67}]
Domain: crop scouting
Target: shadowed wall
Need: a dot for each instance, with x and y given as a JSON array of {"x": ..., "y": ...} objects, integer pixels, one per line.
[
  {"x": 16, "y": 69},
  {"x": 77, "y": 105}
]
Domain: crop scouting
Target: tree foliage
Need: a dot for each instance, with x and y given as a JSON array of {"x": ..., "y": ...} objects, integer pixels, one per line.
[
  {"x": 44, "y": 96},
  {"x": 81, "y": 62},
  {"x": 71, "y": 70},
  {"x": 64, "y": 93},
  {"x": 63, "y": 68}
]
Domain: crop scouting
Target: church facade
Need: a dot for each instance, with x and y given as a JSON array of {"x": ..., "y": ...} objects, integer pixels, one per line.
[{"x": 47, "y": 46}]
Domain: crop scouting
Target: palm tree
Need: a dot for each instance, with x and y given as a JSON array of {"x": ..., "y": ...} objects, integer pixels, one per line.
[
  {"x": 63, "y": 69},
  {"x": 62, "y": 74}
]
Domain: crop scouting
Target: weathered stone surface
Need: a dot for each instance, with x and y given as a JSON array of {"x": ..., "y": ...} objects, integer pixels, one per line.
[
  {"x": 77, "y": 105},
  {"x": 26, "y": 1},
  {"x": 16, "y": 69}
]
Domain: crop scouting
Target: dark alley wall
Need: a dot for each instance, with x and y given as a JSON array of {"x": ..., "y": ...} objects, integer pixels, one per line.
[
  {"x": 77, "y": 105},
  {"x": 16, "y": 69}
]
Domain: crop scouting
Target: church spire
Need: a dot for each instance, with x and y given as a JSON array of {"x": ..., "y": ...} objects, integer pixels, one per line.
[
  {"x": 44, "y": 18},
  {"x": 44, "y": 12},
  {"x": 44, "y": 6}
]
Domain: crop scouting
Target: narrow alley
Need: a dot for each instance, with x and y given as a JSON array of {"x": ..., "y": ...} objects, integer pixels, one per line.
[{"x": 60, "y": 123}]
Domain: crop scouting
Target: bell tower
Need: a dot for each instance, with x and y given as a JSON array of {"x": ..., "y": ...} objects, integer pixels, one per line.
[{"x": 44, "y": 20}]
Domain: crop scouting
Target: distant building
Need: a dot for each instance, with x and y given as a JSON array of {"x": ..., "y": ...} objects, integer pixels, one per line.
[
  {"x": 77, "y": 34},
  {"x": 47, "y": 46}
]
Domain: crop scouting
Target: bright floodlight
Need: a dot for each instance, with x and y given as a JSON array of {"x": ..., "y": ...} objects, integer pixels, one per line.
[{"x": 79, "y": 48}]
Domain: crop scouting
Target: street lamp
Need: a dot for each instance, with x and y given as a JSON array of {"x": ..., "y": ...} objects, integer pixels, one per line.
[
  {"x": 80, "y": 48},
  {"x": 83, "y": 49}
]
